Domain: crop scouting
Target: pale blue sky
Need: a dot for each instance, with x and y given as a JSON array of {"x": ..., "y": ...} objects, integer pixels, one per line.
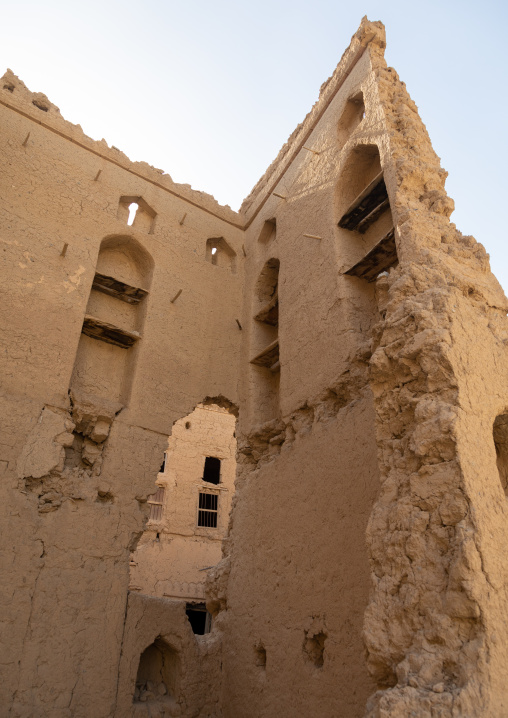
[{"x": 209, "y": 91}]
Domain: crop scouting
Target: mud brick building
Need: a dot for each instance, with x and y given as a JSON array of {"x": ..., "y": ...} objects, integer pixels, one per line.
[{"x": 362, "y": 342}]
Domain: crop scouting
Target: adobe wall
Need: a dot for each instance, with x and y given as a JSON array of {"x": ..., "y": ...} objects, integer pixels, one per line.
[
  {"x": 185, "y": 683},
  {"x": 308, "y": 470},
  {"x": 379, "y": 424},
  {"x": 174, "y": 552},
  {"x": 85, "y": 422},
  {"x": 370, "y": 510}
]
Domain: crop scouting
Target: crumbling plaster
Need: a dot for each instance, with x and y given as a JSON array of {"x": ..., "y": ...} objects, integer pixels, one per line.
[
  {"x": 70, "y": 529},
  {"x": 369, "y": 511}
]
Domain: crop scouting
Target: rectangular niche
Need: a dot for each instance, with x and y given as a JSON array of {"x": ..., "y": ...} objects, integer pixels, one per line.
[
  {"x": 367, "y": 207},
  {"x": 380, "y": 258},
  {"x": 115, "y": 288},
  {"x": 109, "y": 333}
]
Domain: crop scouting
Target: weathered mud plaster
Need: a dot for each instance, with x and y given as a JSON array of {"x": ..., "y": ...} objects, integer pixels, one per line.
[
  {"x": 180, "y": 672},
  {"x": 364, "y": 340},
  {"x": 84, "y": 421}
]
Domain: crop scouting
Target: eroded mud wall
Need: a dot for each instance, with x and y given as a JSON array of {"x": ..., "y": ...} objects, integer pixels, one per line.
[
  {"x": 292, "y": 590},
  {"x": 378, "y": 322},
  {"x": 86, "y": 414},
  {"x": 436, "y": 625}
]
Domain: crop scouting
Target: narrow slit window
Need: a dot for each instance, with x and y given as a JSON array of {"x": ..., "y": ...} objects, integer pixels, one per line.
[
  {"x": 211, "y": 471},
  {"x": 208, "y": 510},
  {"x": 156, "y": 502}
]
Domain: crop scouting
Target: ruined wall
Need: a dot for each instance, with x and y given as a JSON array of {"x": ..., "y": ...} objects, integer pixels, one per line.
[
  {"x": 290, "y": 595},
  {"x": 179, "y": 672},
  {"x": 436, "y": 625},
  {"x": 85, "y": 421},
  {"x": 174, "y": 552},
  {"x": 371, "y": 494},
  {"x": 385, "y": 326}
]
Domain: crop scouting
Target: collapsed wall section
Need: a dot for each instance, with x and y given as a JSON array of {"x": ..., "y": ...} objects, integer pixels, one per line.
[
  {"x": 113, "y": 330},
  {"x": 435, "y": 628}
]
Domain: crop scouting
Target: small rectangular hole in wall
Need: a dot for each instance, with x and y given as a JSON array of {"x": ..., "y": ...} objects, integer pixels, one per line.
[
  {"x": 211, "y": 471},
  {"x": 208, "y": 510},
  {"x": 199, "y": 618}
]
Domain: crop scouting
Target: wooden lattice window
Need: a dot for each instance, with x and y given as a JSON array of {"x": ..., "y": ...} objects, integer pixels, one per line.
[
  {"x": 156, "y": 502},
  {"x": 208, "y": 509}
]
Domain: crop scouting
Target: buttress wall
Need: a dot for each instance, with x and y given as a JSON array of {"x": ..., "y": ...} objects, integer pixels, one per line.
[{"x": 101, "y": 357}]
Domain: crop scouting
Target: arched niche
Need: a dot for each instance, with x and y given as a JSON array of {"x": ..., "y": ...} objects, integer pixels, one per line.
[
  {"x": 268, "y": 231},
  {"x": 265, "y": 354},
  {"x": 220, "y": 254},
  {"x": 365, "y": 224},
  {"x": 114, "y": 319},
  {"x": 352, "y": 114},
  {"x": 124, "y": 258},
  {"x": 158, "y": 676},
  {"x": 268, "y": 280}
]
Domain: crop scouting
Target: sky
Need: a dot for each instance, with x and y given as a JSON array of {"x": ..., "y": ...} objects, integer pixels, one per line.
[{"x": 210, "y": 91}]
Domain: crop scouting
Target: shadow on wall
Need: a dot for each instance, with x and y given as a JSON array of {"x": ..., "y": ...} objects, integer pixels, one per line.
[
  {"x": 158, "y": 677},
  {"x": 113, "y": 324},
  {"x": 501, "y": 444},
  {"x": 265, "y": 342},
  {"x": 352, "y": 115}
]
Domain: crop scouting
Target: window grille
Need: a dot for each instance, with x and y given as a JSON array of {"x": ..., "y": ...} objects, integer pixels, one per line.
[
  {"x": 208, "y": 509},
  {"x": 156, "y": 502}
]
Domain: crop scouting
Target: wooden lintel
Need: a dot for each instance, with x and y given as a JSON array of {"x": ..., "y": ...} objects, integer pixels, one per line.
[
  {"x": 268, "y": 357},
  {"x": 109, "y": 333},
  {"x": 380, "y": 258},
  {"x": 116, "y": 288},
  {"x": 371, "y": 199}
]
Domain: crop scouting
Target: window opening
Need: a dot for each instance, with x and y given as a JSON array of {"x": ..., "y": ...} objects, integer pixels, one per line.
[
  {"x": 211, "y": 471},
  {"x": 156, "y": 502},
  {"x": 199, "y": 618},
  {"x": 208, "y": 510},
  {"x": 133, "y": 208},
  {"x": 220, "y": 254},
  {"x": 163, "y": 465}
]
